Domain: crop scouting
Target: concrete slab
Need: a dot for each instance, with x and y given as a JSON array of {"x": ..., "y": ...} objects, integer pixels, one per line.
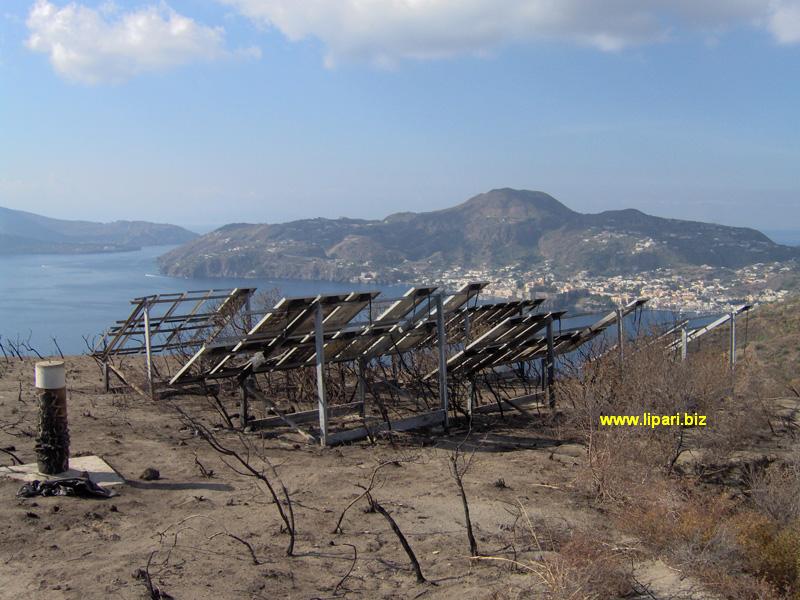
[{"x": 98, "y": 470}]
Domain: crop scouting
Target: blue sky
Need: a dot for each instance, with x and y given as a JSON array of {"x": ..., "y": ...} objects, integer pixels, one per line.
[{"x": 211, "y": 111}]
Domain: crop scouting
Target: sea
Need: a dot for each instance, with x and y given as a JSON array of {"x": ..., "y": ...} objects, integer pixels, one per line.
[
  {"x": 54, "y": 302},
  {"x": 66, "y": 299}
]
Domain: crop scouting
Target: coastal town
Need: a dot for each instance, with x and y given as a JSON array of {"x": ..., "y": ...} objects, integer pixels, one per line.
[{"x": 701, "y": 290}]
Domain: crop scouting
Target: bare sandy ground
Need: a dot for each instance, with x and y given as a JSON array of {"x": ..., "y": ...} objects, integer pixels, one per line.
[{"x": 85, "y": 548}]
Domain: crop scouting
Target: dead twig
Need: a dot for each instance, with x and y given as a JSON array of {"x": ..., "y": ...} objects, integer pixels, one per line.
[
  {"x": 349, "y": 571},
  {"x": 207, "y": 473},
  {"x": 287, "y": 513},
  {"x": 153, "y": 590},
  {"x": 376, "y": 506},
  {"x": 367, "y": 489},
  {"x": 459, "y": 465},
  {"x": 13, "y": 456},
  {"x": 58, "y": 348},
  {"x": 247, "y": 544}
]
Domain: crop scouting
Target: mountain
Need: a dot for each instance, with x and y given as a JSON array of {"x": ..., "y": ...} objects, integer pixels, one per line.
[
  {"x": 27, "y": 233},
  {"x": 500, "y": 228}
]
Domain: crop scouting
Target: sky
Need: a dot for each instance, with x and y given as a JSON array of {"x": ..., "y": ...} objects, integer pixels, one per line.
[{"x": 204, "y": 112}]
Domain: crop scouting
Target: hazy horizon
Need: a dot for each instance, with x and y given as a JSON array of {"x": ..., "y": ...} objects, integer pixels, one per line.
[
  {"x": 786, "y": 236},
  {"x": 266, "y": 111}
]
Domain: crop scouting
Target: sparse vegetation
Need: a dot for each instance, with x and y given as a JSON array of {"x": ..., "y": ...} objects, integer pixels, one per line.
[
  {"x": 718, "y": 503},
  {"x": 558, "y": 507}
]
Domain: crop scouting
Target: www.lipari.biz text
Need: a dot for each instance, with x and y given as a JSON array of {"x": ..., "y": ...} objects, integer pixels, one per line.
[{"x": 653, "y": 421}]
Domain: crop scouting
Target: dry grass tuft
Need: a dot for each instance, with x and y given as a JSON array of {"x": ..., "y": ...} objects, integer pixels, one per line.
[{"x": 741, "y": 536}]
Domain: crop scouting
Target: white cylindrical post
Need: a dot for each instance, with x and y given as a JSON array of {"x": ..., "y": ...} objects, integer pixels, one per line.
[{"x": 52, "y": 442}]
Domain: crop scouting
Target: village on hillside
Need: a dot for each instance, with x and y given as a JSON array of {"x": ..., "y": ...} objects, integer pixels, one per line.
[{"x": 703, "y": 290}]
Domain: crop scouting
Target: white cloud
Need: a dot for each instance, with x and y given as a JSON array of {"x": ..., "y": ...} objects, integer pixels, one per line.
[
  {"x": 93, "y": 46},
  {"x": 784, "y": 22},
  {"x": 384, "y": 31}
]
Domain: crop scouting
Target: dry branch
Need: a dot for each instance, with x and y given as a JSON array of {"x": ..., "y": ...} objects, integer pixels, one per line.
[
  {"x": 459, "y": 465},
  {"x": 375, "y": 505},
  {"x": 247, "y": 544},
  {"x": 286, "y": 514},
  {"x": 349, "y": 571},
  {"x": 368, "y": 488}
]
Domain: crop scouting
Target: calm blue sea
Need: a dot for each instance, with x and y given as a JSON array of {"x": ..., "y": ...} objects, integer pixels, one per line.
[{"x": 67, "y": 297}]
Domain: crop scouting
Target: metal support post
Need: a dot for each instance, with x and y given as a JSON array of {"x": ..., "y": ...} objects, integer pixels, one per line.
[
  {"x": 441, "y": 335},
  {"x": 471, "y": 400},
  {"x": 106, "y": 384},
  {"x": 733, "y": 340},
  {"x": 148, "y": 350},
  {"x": 319, "y": 342},
  {"x": 362, "y": 385},
  {"x": 551, "y": 364},
  {"x": 620, "y": 335},
  {"x": 244, "y": 409},
  {"x": 684, "y": 343},
  {"x": 248, "y": 317},
  {"x": 543, "y": 378}
]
